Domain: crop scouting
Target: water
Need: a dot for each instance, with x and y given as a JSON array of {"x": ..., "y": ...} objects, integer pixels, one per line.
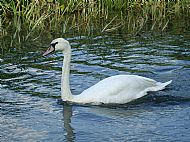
[{"x": 30, "y": 106}]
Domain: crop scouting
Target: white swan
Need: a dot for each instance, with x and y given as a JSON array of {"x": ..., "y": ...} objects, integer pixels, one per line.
[{"x": 118, "y": 89}]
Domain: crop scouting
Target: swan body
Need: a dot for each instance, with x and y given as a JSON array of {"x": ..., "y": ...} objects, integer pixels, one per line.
[{"x": 118, "y": 89}]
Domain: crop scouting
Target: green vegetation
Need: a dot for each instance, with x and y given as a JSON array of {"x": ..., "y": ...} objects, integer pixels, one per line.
[{"x": 34, "y": 18}]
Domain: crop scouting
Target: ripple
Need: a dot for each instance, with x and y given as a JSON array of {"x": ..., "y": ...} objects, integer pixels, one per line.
[{"x": 30, "y": 85}]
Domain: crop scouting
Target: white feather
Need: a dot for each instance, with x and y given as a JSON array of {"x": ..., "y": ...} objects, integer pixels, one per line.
[{"x": 119, "y": 89}]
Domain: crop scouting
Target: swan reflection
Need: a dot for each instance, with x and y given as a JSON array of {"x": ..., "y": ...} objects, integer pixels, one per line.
[{"x": 67, "y": 115}]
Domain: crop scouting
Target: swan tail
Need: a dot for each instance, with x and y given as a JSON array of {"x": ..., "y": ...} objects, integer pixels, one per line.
[
  {"x": 163, "y": 85},
  {"x": 158, "y": 86}
]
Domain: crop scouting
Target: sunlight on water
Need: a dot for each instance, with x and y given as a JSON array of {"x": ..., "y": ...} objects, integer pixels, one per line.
[{"x": 30, "y": 106}]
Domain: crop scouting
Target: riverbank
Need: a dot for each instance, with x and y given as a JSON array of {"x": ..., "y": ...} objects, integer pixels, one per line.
[{"x": 32, "y": 19}]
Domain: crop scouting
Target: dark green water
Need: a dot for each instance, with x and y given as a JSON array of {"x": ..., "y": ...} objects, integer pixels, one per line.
[{"x": 30, "y": 108}]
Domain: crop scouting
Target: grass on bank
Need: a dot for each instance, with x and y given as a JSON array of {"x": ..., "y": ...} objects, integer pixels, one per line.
[{"x": 32, "y": 18}]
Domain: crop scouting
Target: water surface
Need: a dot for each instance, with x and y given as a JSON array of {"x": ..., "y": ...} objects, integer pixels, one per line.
[{"x": 30, "y": 107}]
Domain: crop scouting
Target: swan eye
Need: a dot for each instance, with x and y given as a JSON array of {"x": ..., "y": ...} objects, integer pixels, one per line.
[{"x": 53, "y": 44}]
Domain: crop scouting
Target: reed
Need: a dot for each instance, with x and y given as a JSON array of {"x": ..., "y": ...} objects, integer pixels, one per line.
[{"x": 32, "y": 18}]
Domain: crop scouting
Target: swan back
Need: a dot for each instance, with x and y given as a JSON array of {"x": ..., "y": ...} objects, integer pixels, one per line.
[{"x": 119, "y": 89}]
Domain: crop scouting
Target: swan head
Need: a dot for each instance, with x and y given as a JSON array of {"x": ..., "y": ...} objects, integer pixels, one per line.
[{"x": 58, "y": 44}]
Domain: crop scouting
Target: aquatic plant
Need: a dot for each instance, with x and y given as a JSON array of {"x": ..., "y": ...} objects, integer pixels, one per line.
[{"x": 34, "y": 17}]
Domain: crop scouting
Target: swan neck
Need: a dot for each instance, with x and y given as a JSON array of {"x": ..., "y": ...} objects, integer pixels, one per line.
[{"x": 65, "y": 82}]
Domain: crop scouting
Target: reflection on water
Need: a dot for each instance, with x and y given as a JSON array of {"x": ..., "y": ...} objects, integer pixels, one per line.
[
  {"x": 30, "y": 87},
  {"x": 67, "y": 114}
]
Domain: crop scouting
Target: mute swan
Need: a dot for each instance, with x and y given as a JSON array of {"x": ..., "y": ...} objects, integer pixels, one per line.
[{"x": 118, "y": 89}]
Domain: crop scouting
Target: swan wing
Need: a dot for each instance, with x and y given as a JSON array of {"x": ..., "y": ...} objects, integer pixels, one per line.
[{"x": 119, "y": 89}]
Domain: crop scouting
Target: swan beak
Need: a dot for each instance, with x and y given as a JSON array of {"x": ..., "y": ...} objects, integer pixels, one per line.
[{"x": 49, "y": 50}]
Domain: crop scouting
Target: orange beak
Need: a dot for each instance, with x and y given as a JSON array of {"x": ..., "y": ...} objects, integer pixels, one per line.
[{"x": 49, "y": 50}]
